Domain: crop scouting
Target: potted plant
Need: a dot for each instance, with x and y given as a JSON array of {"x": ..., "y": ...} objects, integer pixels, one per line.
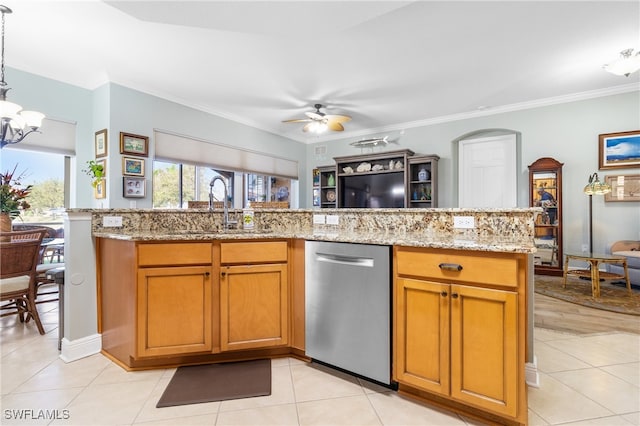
[
  {"x": 95, "y": 171},
  {"x": 12, "y": 198}
]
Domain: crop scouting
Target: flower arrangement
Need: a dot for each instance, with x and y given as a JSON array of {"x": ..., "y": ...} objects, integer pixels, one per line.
[
  {"x": 12, "y": 194},
  {"x": 95, "y": 171}
]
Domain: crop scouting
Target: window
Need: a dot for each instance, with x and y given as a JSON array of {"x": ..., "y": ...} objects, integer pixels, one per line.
[
  {"x": 46, "y": 172},
  {"x": 261, "y": 188},
  {"x": 175, "y": 184}
]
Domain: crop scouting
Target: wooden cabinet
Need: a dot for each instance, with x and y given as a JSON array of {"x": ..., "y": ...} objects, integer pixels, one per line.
[
  {"x": 545, "y": 190},
  {"x": 171, "y": 303},
  {"x": 460, "y": 328},
  {"x": 174, "y": 306},
  {"x": 423, "y": 181},
  {"x": 254, "y": 295},
  {"x": 324, "y": 187},
  {"x": 174, "y": 310}
]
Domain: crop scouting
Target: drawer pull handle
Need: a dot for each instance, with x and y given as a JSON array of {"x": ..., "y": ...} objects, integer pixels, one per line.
[
  {"x": 454, "y": 295},
  {"x": 450, "y": 267},
  {"x": 443, "y": 294}
]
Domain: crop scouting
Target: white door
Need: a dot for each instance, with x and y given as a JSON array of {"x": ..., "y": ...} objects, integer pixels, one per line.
[{"x": 487, "y": 171}]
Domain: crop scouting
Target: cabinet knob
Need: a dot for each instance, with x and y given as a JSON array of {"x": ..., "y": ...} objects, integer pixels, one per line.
[
  {"x": 450, "y": 267},
  {"x": 206, "y": 274},
  {"x": 223, "y": 274},
  {"x": 443, "y": 294},
  {"x": 454, "y": 295}
]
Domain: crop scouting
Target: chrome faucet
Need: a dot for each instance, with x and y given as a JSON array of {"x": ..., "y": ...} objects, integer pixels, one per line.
[{"x": 225, "y": 221}]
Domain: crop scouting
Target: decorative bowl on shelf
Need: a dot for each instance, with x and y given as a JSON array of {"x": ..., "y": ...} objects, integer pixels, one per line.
[
  {"x": 331, "y": 195},
  {"x": 363, "y": 167}
]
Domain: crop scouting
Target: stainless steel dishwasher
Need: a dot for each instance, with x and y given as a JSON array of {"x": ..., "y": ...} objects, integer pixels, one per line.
[{"x": 348, "y": 307}]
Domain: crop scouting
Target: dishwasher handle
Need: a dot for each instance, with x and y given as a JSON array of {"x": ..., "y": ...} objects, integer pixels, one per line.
[{"x": 345, "y": 260}]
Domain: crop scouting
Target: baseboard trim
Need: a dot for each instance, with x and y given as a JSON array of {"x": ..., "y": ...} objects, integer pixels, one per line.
[
  {"x": 531, "y": 373},
  {"x": 73, "y": 350}
]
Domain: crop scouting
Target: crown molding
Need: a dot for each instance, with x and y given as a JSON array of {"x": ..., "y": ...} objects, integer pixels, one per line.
[{"x": 538, "y": 103}]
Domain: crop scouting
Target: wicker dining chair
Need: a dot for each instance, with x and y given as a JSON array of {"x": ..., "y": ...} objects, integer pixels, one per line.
[{"x": 19, "y": 255}]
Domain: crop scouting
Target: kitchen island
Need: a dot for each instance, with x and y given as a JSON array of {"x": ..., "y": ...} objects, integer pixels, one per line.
[{"x": 175, "y": 287}]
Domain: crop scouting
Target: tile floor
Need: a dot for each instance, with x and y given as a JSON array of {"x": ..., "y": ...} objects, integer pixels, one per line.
[{"x": 585, "y": 380}]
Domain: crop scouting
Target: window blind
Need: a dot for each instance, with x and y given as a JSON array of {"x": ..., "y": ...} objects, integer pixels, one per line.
[
  {"x": 55, "y": 136},
  {"x": 172, "y": 147}
]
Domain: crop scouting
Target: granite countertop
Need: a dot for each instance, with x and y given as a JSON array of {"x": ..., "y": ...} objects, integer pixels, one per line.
[{"x": 408, "y": 238}]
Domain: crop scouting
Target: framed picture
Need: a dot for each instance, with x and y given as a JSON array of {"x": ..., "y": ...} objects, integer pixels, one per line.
[
  {"x": 619, "y": 150},
  {"x": 100, "y": 141},
  {"x": 100, "y": 190},
  {"x": 134, "y": 144},
  {"x": 316, "y": 177},
  {"x": 132, "y": 166},
  {"x": 103, "y": 163},
  {"x": 623, "y": 188},
  {"x": 133, "y": 187}
]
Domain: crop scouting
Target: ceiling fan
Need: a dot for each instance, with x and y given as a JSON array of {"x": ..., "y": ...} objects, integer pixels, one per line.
[{"x": 318, "y": 122}]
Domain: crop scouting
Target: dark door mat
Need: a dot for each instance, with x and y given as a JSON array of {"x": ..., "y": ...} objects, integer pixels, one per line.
[{"x": 217, "y": 382}]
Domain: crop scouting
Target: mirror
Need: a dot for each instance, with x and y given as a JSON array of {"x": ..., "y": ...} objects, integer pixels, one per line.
[{"x": 545, "y": 176}]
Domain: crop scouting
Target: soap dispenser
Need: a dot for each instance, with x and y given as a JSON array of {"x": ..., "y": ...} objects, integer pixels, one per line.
[{"x": 247, "y": 217}]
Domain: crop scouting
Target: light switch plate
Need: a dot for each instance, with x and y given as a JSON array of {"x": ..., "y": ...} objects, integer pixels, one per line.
[
  {"x": 333, "y": 219},
  {"x": 112, "y": 221},
  {"x": 463, "y": 222},
  {"x": 318, "y": 219}
]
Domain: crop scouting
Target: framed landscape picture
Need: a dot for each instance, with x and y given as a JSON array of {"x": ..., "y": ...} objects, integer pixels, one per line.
[
  {"x": 132, "y": 166},
  {"x": 100, "y": 141},
  {"x": 619, "y": 150},
  {"x": 134, "y": 144},
  {"x": 133, "y": 187}
]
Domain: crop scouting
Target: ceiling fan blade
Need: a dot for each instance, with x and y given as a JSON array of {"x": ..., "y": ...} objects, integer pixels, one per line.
[
  {"x": 297, "y": 120},
  {"x": 314, "y": 115},
  {"x": 338, "y": 118},
  {"x": 335, "y": 126}
]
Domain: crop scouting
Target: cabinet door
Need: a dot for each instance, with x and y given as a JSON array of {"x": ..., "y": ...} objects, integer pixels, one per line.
[
  {"x": 484, "y": 348},
  {"x": 253, "y": 306},
  {"x": 422, "y": 334},
  {"x": 174, "y": 310}
]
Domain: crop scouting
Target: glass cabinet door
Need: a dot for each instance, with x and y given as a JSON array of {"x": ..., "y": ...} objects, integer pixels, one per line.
[{"x": 546, "y": 192}]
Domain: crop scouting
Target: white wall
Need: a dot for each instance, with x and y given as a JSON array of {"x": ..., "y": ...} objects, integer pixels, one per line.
[{"x": 567, "y": 132}]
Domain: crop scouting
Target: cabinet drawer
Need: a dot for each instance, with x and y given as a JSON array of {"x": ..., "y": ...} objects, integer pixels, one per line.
[
  {"x": 253, "y": 252},
  {"x": 174, "y": 254},
  {"x": 474, "y": 267}
]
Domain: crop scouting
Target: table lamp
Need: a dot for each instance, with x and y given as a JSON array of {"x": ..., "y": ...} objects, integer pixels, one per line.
[{"x": 599, "y": 188}]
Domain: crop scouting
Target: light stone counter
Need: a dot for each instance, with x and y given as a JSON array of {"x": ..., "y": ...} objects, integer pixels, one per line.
[{"x": 498, "y": 230}]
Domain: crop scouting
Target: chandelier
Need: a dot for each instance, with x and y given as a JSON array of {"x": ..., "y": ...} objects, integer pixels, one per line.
[
  {"x": 15, "y": 124},
  {"x": 626, "y": 64}
]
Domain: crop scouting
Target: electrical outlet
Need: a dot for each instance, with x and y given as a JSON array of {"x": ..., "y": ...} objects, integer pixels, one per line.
[
  {"x": 318, "y": 219},
  {"x": 585, "y": 248},
  {"x": 333, "y": 219},
  {"x": 112, "y": 221},
  {"x": 464, "y": 222}
]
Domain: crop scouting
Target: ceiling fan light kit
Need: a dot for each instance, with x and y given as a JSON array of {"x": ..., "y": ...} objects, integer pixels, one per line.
[
  {"x": 626, "y": 64},
  {"x": 319, "y": 122}
]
